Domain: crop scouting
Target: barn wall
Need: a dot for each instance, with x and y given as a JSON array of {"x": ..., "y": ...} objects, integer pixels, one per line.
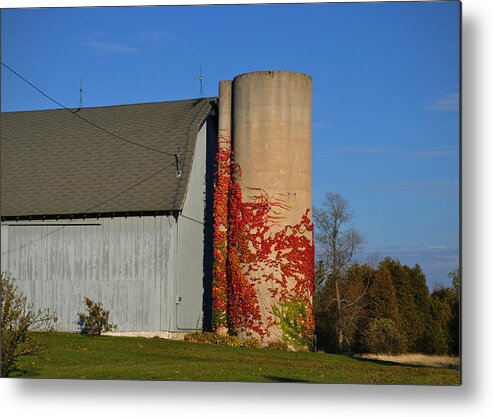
[
  {"x": 122, "y": 262},
  {"x": 150, "y": 272},
  {"x": 190, "y": 273}
]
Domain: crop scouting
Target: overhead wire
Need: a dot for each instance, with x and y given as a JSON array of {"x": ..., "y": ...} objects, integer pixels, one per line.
[
  {"x": 87, "y": 210},
  {"x": 129, "y": 188},
  {"x": 75, "y": 113}
]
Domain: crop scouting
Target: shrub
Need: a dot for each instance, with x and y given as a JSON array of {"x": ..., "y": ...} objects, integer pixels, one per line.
[
  {"x": 294, "y": 319},
  {"x": 97, "y": 319},
  {"x": 17, "y": 323},
  {"x": 203, "y": 337},
  {"x": 277, "y": 345},
  {"x": 221, "y": 339},
  {"x": 251, "y": 343},
  {"x": 383, "y": 336}
]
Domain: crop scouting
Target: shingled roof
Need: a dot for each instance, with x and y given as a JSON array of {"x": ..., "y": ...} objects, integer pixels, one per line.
[{"x": 54, "y": 163}]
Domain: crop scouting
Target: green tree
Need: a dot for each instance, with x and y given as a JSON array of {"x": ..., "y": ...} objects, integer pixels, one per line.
[
  {"x": 349, "y": 322},
  {"x": 382, "y": 298},
  {"x": 337, "y": 241},
  {"x": 441, "y": 309},
  {"x": 454, "y": 327},
  {"x": 382, "y": 314},
  {"x": 383, "y": 336},
  {"x": 425, "y": 327},
  {"x": 415, "y": 306},
  {"x": 413, "y": 302},
  {"x": 446, "y": 315}
]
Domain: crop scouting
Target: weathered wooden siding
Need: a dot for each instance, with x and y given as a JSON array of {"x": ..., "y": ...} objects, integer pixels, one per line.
[
  {"x": 149, "y": 272},
  {"x": 190, "y": 274},
  {"x": 122, "y": 262}
]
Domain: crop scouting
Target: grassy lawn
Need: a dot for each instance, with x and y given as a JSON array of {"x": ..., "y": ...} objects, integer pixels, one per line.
[{"x": 77, "y": 356}]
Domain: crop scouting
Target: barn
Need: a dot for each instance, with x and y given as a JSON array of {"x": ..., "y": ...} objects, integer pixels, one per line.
[
  {"x": 113, "y": 203},
  {"x": 177, "y": 216}
]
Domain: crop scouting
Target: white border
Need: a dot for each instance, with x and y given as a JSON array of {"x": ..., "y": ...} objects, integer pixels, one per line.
[{"x": 86, "y": 3}]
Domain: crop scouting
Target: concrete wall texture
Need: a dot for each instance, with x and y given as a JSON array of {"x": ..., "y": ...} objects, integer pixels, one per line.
[
  {"x": 272, "y": 143},
  {"x": 272, "y": 136}
]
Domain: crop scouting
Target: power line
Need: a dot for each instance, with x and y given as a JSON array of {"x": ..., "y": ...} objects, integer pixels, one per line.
[
  {"x": 87, "y": 210},
  {"x": 129, "y": 188},
  {"x": 197, "y": 221},
  {"x": 83, "y": 118}
]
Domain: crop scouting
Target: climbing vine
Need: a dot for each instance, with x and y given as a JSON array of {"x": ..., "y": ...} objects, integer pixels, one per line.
[
  {"x": 251, "y": 248},
  {"x": 293, "y": 264},
  {"x": 221, "y": 199}
]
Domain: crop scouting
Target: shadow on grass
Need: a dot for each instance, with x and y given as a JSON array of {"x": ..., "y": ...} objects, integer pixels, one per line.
[{"x": 282, "y": 379}]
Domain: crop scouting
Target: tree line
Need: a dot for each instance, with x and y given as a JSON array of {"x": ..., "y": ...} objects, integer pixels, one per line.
[{"x": 383, "y": 307}]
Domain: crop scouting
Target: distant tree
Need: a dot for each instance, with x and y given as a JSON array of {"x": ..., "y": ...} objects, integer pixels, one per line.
[
  {"x": 18, "y": 323},
  {"x": 454, "y": 327},
  {"x": 410, "y": 323},
  {"x": 381, "y": 309},
  {"x": 337, "y": 241},
  {"x": 383, "y": 336},
  {"x": 357, "y": 314},
  {"x": 441, "y": 311},
  {"x": 446, "y": 315},
  {"x": 425, "y": 328},
  {"x": 382, "y": 298},
  {"x": 415, "y": 308},
  {"x": 349, "y": 322},
  {"x": 455, "y": 277}
]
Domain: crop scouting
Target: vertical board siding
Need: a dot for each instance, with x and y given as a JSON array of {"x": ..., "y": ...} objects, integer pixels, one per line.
[
  {"x": 190, "y": 274},
  {"x": 4, "y": 239},
  {"x": 122, "y": 262}
]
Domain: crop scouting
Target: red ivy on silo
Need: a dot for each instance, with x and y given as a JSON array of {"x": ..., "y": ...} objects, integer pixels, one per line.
[
  {"x": 248, "y": 250},
  {"x": 221, "y": 200}
]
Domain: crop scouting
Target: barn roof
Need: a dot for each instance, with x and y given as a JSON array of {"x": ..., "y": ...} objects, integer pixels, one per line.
[{"x": 54, "y": 163}]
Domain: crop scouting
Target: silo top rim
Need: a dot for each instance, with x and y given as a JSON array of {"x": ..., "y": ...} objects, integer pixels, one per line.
[{"x": 297, "y": 74}]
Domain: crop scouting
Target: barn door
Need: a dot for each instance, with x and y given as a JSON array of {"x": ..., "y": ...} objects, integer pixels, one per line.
[{"x": 189, "y": 286}]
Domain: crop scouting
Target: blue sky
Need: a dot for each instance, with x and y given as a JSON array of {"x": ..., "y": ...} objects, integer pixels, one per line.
[{"x": 385, "y": 93}]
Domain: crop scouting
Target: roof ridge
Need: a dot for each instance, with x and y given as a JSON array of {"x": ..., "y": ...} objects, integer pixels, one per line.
[{"x": 111, "y": 105}]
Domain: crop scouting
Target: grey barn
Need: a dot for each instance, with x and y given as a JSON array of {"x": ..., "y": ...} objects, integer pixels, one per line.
[{"x": 113, "y": 203}]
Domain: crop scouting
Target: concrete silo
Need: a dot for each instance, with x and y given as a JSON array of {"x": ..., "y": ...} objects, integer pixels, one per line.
[
  {"x": 271, "y": 140},
  {"x": 225, "y": 113},
  {"x": 272, "y": 129}
]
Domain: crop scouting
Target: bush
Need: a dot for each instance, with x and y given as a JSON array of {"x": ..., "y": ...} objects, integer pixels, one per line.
[
  {"x": 17, "y": 323},
  {"x": 294, "y": 319},
  {"x": 383, "y": 336},
  {"x": 251, "y": 343},
  {"x": 97, "y": 319},
  {"x": 221, "y": 339},
  {"x": 277, "y": 346}
]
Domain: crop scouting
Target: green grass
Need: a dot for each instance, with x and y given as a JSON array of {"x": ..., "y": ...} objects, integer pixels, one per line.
[{"x": 77, "y": 356}]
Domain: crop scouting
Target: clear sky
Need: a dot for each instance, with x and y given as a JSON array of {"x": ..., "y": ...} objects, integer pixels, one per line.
[{"x": 385, "y": 93}]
